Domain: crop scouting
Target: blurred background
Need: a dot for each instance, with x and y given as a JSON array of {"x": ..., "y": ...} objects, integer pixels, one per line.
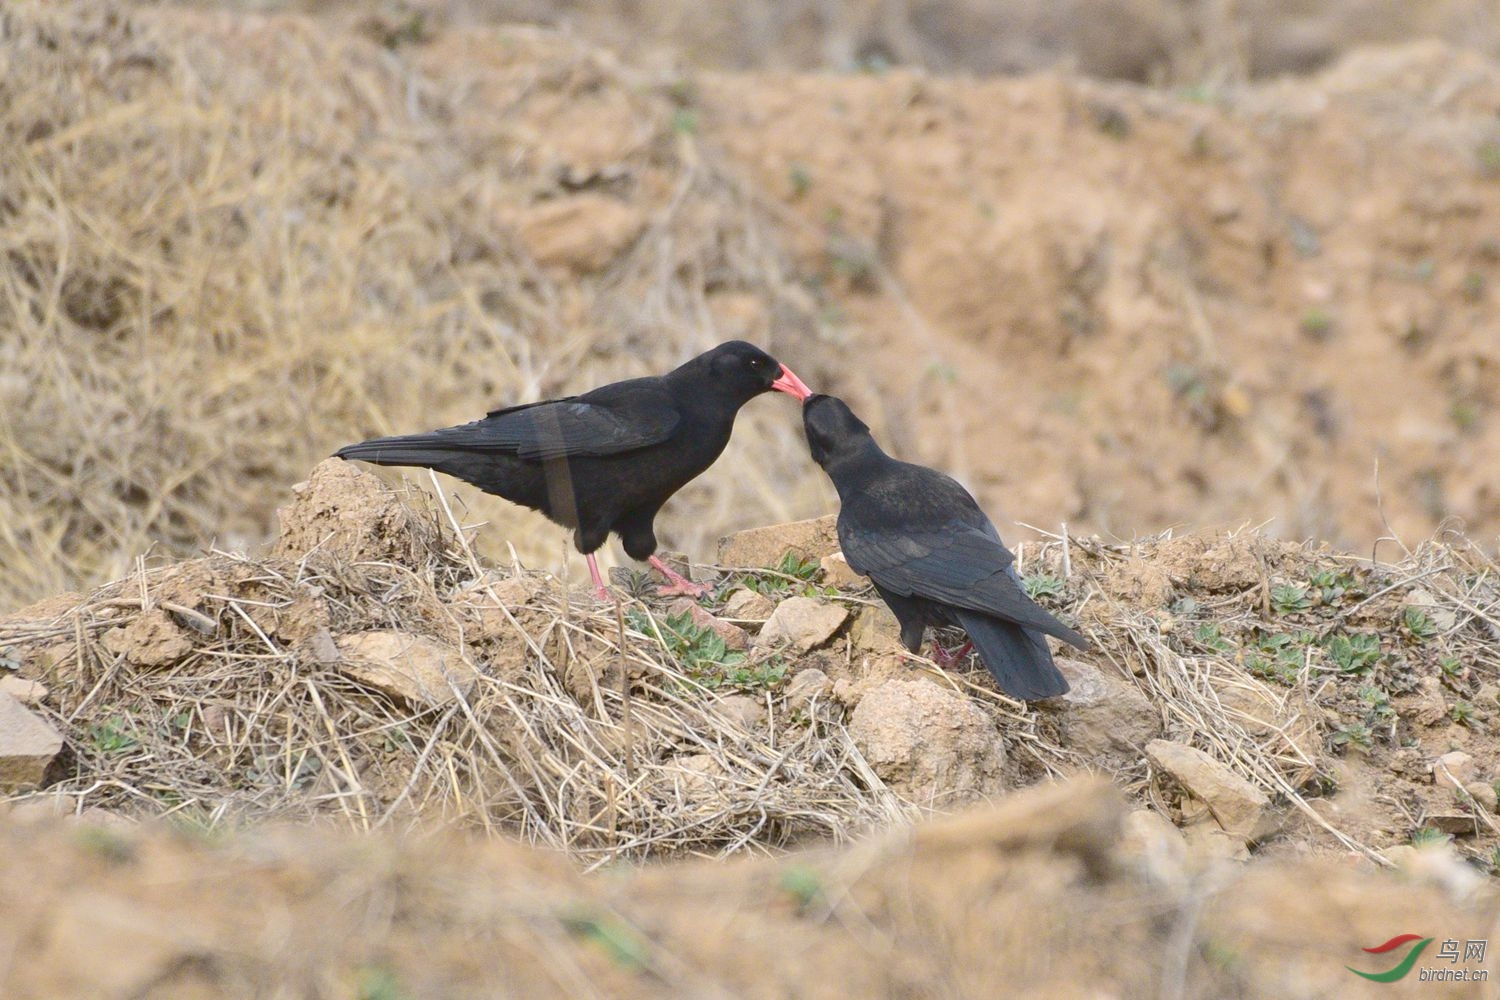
[{"x": 1129, "y": 265}]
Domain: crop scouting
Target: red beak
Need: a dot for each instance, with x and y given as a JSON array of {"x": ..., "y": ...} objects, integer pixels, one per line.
[{"x": 790, "y": 384}]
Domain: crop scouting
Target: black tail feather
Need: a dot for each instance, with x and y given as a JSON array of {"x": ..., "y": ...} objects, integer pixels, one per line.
[{"x": 1017, "y": 657}]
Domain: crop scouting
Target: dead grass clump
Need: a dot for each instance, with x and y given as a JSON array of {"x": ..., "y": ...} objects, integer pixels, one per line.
[
  {"x": 233, "y": 243},
  {"x": 226, "y": 688}
]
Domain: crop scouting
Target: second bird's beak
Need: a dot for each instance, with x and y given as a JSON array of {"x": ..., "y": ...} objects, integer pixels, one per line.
[{"x": 790, "y": 384}]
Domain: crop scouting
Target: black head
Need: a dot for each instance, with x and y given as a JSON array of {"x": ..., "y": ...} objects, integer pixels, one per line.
[
  {"x": 833, "y": 431},
  {"x": 740, "y": 371}
]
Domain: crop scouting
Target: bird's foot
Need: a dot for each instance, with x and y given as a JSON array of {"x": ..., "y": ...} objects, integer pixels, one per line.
[
  {"x": 677, "y": 585},
  {"x": 947, "y": 658},
  {"x": 604, "y": 595}
]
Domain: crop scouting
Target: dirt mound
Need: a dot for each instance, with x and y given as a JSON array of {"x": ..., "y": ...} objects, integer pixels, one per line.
[
  {"x": 1041, "y": 893},
  {"x": 1252, "y": 690}
]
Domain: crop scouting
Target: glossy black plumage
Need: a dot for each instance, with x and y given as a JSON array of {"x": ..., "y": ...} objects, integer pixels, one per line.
[
  {"x": 605, "y": 460},
  {"x": 933, "y": 555}
]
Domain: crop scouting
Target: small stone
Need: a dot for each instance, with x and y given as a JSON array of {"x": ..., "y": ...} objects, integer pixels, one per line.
[
  {"x": 1239, "y": 807},
  {"x": 1454, "y": 769},
  {"x": 743, "y": 710},
  {"x": 764, "y": 547},
  {"x": 1400, "y": 855},
  {"x": 875, "y": 629},
  {"x": 1483, "y": 795},
  {"x": 29, "y": 693},
  {"x": 1207, "y": 840},
  {"x": 1458, "y": 823},
  {"x": 838, "y": 573},
  {"x": 1105, "y": 714},
  {"x": 322, "y": 647},
  {"x": 43, "y": 806},
  {"x": 748, "y": 605},
  {"x": 27, "y": 745},
  {"x": 152, "y": 639},
  {"x": 803, "y": 622},
  {"x": 734, "y": 637},
  {"x": 1432, "y": 709},
  {"x": 1151, "y": 840},
  {"x": 929, "y": 744},
  {"x": 805, "y": 686},
  {"x": 412, "y": 668}
]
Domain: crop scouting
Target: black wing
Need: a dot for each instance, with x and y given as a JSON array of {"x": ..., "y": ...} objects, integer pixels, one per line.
[
  {"x": 955, "y": 562},
  {"x": 614, "y": 418}
]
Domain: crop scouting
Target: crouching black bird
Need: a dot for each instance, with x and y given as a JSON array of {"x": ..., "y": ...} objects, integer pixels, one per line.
[
  {"x": 932, "y": 553},
  {"x": 608, "y": 459}
]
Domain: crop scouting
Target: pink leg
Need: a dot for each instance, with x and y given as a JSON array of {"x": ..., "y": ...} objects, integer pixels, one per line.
[
  {"x": 600, "y": 590},
  {"x": 945, "y": 659},
  {"x": 679, "y": 584}
]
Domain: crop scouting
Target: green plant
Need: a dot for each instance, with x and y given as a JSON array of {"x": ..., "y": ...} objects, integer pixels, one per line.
[
  {"x": 619, "y": 942},
  {"x": 1041, "y": 585},
  {"x": 1209, "y": 636},
  {"x": 1451, "y": 666},
  {"x": 792, "y": 572},
  {"x": 1353, "y": 654},
  {"x": 800, "y": 178},
  {"x": 115, "y": 734},
  {"x": 1463, "y": 713},
  {"x": 1317, "y": 323},
  {"x": 685, "y": 121},
  {"x": 1425, "y": 835},
  {"x": 803, "y": 884},
  {"x": 1331, "y": 585},
  {"x": 1290, "y": 598},
  {"x": 1355, "y": 734},
  {"x": 1279, "y": 656},
  {"x": 1419, "y": 624},
  {"x": 1381, "y": 712},
  {"x": 374, "y": 982}
]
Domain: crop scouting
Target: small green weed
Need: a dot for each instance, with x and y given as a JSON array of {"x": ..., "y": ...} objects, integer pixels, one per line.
[
  {"x": 1354, "y": 734},
  {"x": 1353, "y": 654},
  {"x": 1419, "y": 624},
  {"x": 1041, "y": 585},
  {"x": 791, "y": 573},
  {"x": 619, "y": 941},
  {"x": 803, "y": 884},
  {"x": 1290, "y": 598},
  {"x": 1463, "y": 713},
  {"x": 115, "y": 734},
  {"x": 1451, "y": 666},
  {"x": 1331, "y": 585},
  {"x": 800, "y": 178},
  {"x": 375, "y": 982},
  {"x": 1424, "y": 836},
  {"x": 1210, "y": 637},
  {"x": 1279, "y": 656}
]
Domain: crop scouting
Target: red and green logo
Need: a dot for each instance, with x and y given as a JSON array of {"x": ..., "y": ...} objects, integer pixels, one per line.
[{"x": 1402, "y": 967}]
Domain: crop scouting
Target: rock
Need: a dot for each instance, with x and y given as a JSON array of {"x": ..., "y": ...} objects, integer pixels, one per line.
[
  {"x": 875, "y": 629},
  {"x": 1460, "y": 824},
  {"x": 1106, "y": 716},
  {"x": 838, "y": 573},
  {"x": 761, "y": 547},
  {"x": 27, "y": 745},
  {"x": 1400, "y": 855},
  {"x": 1283, "y": 718},
  {"x": 805, "y": 686},
  {"x": 699, "y": 776},
  {"x": 152, "y": 639},
  {"x": 409, "y": 667},
  {"x": 1238, "y": 806},
  {"x": 748, "y": 605},
  {"x": 1454, "y": 769},
  {"x": 803, "y": 622},
  {"x": 43, "y": 806},
  {"x": 346, "y": 515},
  {"x": 30, "y": 693},
  {"x": 1432, "y": 706},
  {"x": 929, "y": 744},
  {"x": 734, "y": 637},
  {"x": 1210, "y": 841},
  {"x": 1483, "y": 794},
  {"x": 1150, "y": 839},
  {"x": 741, "y": 709}
]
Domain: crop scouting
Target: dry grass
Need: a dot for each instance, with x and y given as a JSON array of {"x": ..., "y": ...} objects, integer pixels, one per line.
[
  {"x": 204, "y": 691},
  {"x": 229, "y": 245}
]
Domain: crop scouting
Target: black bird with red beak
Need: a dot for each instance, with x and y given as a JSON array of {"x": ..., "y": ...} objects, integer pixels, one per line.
[
  {"x": 606, "y": 460},
  {"x": 933, "y": 555}
]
